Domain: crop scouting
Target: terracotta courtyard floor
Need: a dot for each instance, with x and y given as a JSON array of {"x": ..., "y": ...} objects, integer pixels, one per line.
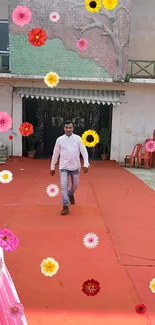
[{"x": 110, "y": 202}]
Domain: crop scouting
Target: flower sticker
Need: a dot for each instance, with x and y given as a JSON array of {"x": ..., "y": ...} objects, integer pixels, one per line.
[
  {"x": 51, "y": 79},
  {"x": 82, "y": 44},
  {"x": 37, "y": 37},
  {"x": 26, "y": 129},
  {"x": 54, "y": 17},
  {"x": 49, "y": 267},
  {"x": 15, "y": 310},
  {"x": 140, "y": 309},
  {"x": 11, "y": 137},
  {"x": 52, "y": 190},
  {"x": 152, "y": 285},
  {"x": 110, "y": 4},
  {"x": 90, "y": 138},
  {"x": 150, "y": 146},
  {"x": 93, "y": 5},
  {"x": 21, "y": 15},
  {"x": 8, "y": 241},
  {"x": 90, "y": 240},
  {"x": 91, "y": 287},
  {"x": 5, "y": 122},
  {"x": 6, "y": 176}
]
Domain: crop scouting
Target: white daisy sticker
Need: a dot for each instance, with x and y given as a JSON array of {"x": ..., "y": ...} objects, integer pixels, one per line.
[
  {"x": 152, "y": 285},
  {"x": 54, "y": 17},
  {"x": 90, "y": 240},
  {"x": 52, "y": 190},
  {"x": 6, "y": 176}
]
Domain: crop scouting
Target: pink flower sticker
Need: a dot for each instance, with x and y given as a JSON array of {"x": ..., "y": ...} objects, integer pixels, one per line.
[
  {"x": 5, "y": 122},
  {"x": 150, "y": 146},
  {"x": 8, "y": 241},
  {"x": 21, "y": 15},
  {"x": 54, "y": 17},
  {"x": 15, "y": 310},
  {"x": 82, "y": 44}
]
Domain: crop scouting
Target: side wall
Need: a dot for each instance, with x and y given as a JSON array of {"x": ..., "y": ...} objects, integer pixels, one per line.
[
  {"x": 4, "y": 9},
  {"x": 134, "y": 121},
  {"x": 6, "y": 106},
  {"x": 141, "y": 44}
]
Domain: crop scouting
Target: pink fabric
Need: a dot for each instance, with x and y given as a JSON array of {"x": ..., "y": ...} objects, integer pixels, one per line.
[{"x": 8, "y": 295}]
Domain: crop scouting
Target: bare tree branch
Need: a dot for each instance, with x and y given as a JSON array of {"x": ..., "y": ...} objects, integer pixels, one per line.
[
  {"x": 123, "y": 44},
  {"x": 104, "y": 34},
  {"x": 119, "y": 7},
  {"x": 74, "y": 4},
  {"x": 111, "y": 31},
  {"x": 94, "y": 23},
  {"x": 105, "y": 13}
]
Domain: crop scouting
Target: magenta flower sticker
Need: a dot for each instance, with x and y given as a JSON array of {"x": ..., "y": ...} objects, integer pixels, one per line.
[
  {"x": 54, "y": 17},
  {"x": 15, "y": 310},
  {"x": 82, "y": 44},
  {"x": 150, "y": 146},
  {"x": 5, "y": 122},
  {"x": 21, "y": 15},
  {"x": 8, "y": 241}
]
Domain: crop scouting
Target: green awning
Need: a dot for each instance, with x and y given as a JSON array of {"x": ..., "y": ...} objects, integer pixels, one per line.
[{"x": 73, "y": 95}]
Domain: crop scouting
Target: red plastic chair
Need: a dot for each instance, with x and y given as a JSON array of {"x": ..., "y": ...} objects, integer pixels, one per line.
[
  {"x": 144, "y": 157},
  {"x": 133, "y": 156},
  {"x": 153, "y": 153}
]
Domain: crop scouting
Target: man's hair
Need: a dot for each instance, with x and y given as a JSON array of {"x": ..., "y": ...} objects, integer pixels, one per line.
[{"x": 68, "y": 122}]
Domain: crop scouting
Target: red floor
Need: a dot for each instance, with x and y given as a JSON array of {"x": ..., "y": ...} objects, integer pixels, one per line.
[{"x": 112, "y": 203}]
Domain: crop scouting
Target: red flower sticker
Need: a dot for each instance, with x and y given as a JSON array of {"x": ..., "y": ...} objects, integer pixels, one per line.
[
  {"x": 140, "y": 309},
  {"x": 26, "y": 129},
  {"x": 11, "y": 137},
  {"x": 37, "y": 37},
  {"x": 91, "y": 287}
]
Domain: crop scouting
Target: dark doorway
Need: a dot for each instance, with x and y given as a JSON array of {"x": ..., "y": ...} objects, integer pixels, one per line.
[{"x": 49, "y": 116}]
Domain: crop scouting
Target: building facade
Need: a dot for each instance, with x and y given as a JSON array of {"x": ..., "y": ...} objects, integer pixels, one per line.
[{"x": 108, "y": 85}]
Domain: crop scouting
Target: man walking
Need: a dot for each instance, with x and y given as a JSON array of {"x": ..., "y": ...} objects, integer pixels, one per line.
[{"x": 68, "y": 147}]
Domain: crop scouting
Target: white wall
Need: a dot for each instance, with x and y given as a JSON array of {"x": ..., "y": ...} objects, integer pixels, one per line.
[
  {"x": 142, "y": 30},
  {"x": 6, "y": 106},
  {"x": 17, "y": 121},
  {"x": 6, "y": 102},
  {"x": 133, "y": 122},
  {"x": 3, "y": 9}
]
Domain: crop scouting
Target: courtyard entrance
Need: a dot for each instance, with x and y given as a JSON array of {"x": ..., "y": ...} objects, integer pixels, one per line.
[{"x": 49, "y": 117}]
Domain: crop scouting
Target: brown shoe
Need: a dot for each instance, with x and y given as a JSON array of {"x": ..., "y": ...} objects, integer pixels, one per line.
[
  {"x": 65, "y": 210},
  {"x": 71, "y": 199}
]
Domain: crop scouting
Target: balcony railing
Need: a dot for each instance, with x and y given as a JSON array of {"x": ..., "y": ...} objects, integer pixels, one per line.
[{"x": 141, "y": 69}]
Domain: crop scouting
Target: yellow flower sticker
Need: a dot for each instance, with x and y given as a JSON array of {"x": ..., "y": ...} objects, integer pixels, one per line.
[
  {"x": 152, "y": 285},
  {"x": 51, "y": 79},
  {"x": 110, "y": 4},
  {"x": 90, "y": 138},
  {"x": 49, "y": 266},
  {"x": 6, "y": 176},
  {"x": 93, "y": 5}
]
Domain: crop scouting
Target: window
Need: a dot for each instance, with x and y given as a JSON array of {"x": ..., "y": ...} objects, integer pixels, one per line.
[{"x": 4, "y": 46}]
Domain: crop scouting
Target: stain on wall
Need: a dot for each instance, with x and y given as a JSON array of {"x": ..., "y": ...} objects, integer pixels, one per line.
[{"x": 107, "y": 33}]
